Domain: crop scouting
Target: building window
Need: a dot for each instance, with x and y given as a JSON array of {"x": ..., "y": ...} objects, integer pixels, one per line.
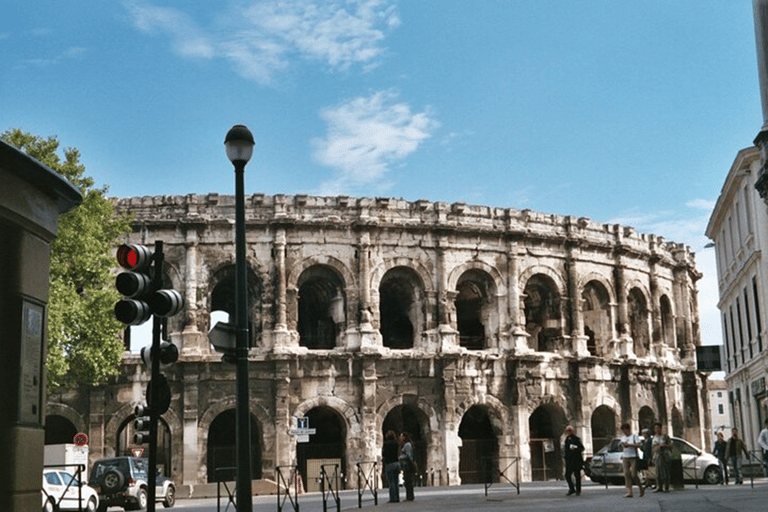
[
  {"x": 720, "y": 408},
  {"x": 719, "y": 394},
  {"x": 757, "y": 315},
  {"x": 748, "y": 319}
]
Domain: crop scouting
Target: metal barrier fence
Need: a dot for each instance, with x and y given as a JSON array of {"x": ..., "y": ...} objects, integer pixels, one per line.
[
  {"x": 225, "y": 476},
  {"x": 494, "y": 470},
  {"x": 78, "y": 477},
  {"x": 366, "y": 480},
  {"x": 283, "y": 482},
  {"x": 329, "y": 485}
]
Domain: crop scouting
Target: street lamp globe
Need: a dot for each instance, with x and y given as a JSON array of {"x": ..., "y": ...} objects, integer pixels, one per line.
[{"x": 239, "y": 143}]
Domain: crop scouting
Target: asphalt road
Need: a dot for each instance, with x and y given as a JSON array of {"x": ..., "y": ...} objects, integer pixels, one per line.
[{"x": 537, "y": 496}]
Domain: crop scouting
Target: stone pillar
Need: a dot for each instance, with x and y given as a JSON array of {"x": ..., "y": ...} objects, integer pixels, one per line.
[
  {"x": 190, "y": 288},
  {"x": 191, "y": 463},
  {"x": 372, "y": 438},
  {"x": 282, "y": 336},
  {"x": 579, "y": 340},
  {"x": 450, "y": 426},
  {"x": 625, "y": 348},
  {"x": 658, "y": 346},
  {"x": 516, "y": 309},
  {"x": 448, "y": 335},
  {"x": 369, "y": 338},
  {"x": 285, "y": 444},
  {"x": 97, "y": 422}
]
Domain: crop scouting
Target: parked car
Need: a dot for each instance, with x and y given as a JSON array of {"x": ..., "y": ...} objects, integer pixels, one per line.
[
  {"x": 605, "y": 465},
  {"x": 62, "y": 491},
  {"x": 122, "y": 481}
]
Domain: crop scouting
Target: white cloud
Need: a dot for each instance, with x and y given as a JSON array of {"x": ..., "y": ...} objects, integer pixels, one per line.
[
  {"x": 366, "y": 135},
  {"x": 268, "y": 35},
  {"x": 701, "y": 204}
]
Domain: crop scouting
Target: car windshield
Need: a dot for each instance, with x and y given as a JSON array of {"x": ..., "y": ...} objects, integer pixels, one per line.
[
  {"x": 139, "y": 468},
  {"x": 68, "y": 478}
]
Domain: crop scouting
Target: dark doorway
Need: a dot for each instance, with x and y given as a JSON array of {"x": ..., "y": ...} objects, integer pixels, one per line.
[
  {"x": 397, "y": 309},
  {"x": 479, "y": 451},
  {"x": 222, "y": 446},
  {"x": 406, "y": 418},
  {"x": 603, "y": 425},
  {"x": 59, "y": 430},
  {"x": 546, "y": 425},
  {"x": 646, "y": 418},
  {"x": 321, "y": 308},
  {"x": 327, "y": 446}
]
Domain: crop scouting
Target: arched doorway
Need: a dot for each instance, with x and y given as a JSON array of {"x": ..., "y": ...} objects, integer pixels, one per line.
[
  {"x": 479, "y": 451},
  {"x": 409, "y": 418},
  {"x": 603, "y": 423},
  {"x": 59, "y": 430},
  {"x": 546, "y": 425},
  {"x": 638, "y": 322},
  {"x": 475, "y": 301},
  {"x": 221, "y": 449},
  {"x": 223, "y": 300},
  {"x": 327, "y": 446},
  {"x": 124, "y": 443},
  {"x": 596, "y": 314}
]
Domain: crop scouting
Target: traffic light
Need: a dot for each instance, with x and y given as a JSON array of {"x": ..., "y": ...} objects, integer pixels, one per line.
[
  {"x": 169, "y": 354},
  {"x": 141, "y": 425},
  {"x": 135, "y": 284},
  {"x": 142, "y": 287}
]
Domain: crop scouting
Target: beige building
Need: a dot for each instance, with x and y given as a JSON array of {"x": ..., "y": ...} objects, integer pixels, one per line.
[
  {"x": 481, "y": 331},
  {"x": 719, "y": 407},
  {"x": 740, "y": 243}
]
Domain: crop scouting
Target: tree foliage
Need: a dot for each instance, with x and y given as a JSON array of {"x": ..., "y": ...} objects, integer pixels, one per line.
[{"x": 84, "y": 346}]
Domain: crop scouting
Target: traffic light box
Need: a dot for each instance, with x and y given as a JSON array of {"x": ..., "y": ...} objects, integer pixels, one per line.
[{"x": 141, "y": 425}]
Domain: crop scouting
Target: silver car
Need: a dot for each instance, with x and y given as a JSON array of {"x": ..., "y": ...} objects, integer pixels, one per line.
[{"x": 698, "y": 466}]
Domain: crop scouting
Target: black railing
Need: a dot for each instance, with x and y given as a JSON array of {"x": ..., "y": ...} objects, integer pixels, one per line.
[
  {"x": 225, "y": 476},
  {"x": 329, "y": 485},
  {"x": 366, "y": 480},
  {"x": 502, "y": 468},
  {"x": 292, "y": 479}
]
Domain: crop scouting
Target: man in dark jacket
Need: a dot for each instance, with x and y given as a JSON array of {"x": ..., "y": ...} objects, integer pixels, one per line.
[
  {"x": 572, "y": 451},
  {"x": 390, "y": 458},
  {"x": 733, "y": 451}
]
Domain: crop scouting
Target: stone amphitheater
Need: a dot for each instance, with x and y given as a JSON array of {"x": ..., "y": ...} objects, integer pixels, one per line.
[{"x": 481, "y": 331}]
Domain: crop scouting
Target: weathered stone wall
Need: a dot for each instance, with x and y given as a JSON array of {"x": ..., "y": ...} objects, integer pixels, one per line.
[{"x": 482, "y": 330}]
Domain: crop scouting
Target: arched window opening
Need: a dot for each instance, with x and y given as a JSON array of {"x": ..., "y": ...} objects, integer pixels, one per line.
[
  {"x": 223, "y": 302},
  {"x": 542, "y": 314},
  {"x": 638, "y": 322},
  {"x": 409, "y": 418},
  {"x": 475, "y": 305},
  {"x": 667, "y": 322},
  {"x": 546, "y": 425},
  {"x": 398, "y": 309},
  {"x": 124, "y": 444},
  {"x": 603, "y": 424},
  {"x": 596, "y": 315}
]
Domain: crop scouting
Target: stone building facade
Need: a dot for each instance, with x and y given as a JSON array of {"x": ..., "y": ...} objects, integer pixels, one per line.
[{"x": 481, "y": 331}]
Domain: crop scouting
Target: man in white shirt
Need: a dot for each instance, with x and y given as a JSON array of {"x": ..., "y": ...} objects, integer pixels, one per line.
[
  {"x": 630, "y": 443},
  {"x": 762, "y": 440}
]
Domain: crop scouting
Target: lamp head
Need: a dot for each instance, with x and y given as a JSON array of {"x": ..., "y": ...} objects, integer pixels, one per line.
[{"x": 239, "y": 143}]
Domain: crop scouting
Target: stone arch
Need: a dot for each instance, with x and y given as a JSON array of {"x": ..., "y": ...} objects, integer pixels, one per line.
[
  {"x": 67, "y": 412},
  {"x": 544, "y": 315},
  {"x": 455, "y": 274},
  {"x": 425, "y": 275},
  {"x": 639, "y": 316},
  {"x": 646, "y": 417},
  {"x": 596, "y": 303},
  {"x": 401, "y": 307},
  {"x": 347, "y": 412},
  {"x": 220, "y": 296},
  {"x": 256, "y": 411},
  {"x": 323, "y": 307},
  {"x": 347, "y": 276},
  {"x": 551, "y": 273},
  {"x": 603, "y": 426},
  {"x": 476, "y": 304},
  {"x": 117, "y": 418},
  {"x": 337, "y": 438},
  {"x": 666, "y": 312}
]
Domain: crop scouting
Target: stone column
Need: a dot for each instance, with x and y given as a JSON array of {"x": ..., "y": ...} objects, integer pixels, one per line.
[
  {"x": 578, "y": 339},
  {"x": 368, "y": 336},
  {"x": 191, "y": 462},
  {"x": 625, "y": 341},
  {"x": 450, "y": 426},
  {"x": 448, "y": 335},
  {"x": 658, "y": 345},
  {"x": 516, "y": 310},
  {"x": 190, "y": 288},
  {"x": 281, "y": 334},
  {"x": 372, "y": 438},
  {"x": 285, "y": 444}
]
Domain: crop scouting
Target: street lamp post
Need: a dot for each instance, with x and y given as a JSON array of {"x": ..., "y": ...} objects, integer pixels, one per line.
[{"x": 239, "y": 144}]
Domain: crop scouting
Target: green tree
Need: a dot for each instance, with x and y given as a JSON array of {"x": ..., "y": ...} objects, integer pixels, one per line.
[{"x": 84, "y": 345}]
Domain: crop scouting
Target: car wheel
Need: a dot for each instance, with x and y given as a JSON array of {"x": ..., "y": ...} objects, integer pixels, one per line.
[
  {"x": 170, "y": 497},
  {"x": 113, "y": 480},
  {"x": 91, "y": 505},
  {"x": 141, "y": 497},
  {"x": 711, "y": 475}
]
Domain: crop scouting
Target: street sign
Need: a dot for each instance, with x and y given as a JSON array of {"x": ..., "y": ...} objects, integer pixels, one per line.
[
  {"x": 302, "y": 439},
  {"x": 302, "y": 431},
  {"x": 137, "y": 452}
]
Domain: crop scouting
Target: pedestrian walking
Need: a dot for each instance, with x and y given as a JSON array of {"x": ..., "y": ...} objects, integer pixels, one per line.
[
  {"x": 630, "y": 443},
  {"x": 762, "y": 441},
  {"x": 391, "y": 459},
  {"x": 662, "y": 447},
  {"x": 733, "y": 451},
  {"x": 719, "y": 452},
  {"x": 407, "y": 465},
  {"x": 573, "y": 450}
]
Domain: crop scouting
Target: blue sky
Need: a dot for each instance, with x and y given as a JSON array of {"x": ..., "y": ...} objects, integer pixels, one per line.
[{"x": 621, "y": 111}]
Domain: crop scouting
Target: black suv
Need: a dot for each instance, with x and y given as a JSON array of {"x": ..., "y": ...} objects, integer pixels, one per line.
[{"x": 122, "y": 481}]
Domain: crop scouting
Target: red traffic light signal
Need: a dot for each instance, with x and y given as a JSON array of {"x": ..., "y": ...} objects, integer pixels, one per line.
[
  {"x": 136, "y": 284},
  {"x": 134, "y": 257}
]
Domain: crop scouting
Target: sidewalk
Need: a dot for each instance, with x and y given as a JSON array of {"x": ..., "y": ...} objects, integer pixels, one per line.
[{"x": 544, "y": 496}]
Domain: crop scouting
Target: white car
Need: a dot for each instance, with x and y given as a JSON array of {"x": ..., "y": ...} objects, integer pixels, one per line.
[
  {"x": 62, "y": 491},
  {"x": 698, "y": 466}
]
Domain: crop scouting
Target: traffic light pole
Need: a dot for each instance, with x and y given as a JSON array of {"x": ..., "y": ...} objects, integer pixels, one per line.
[{"x": 154, "y": 389}]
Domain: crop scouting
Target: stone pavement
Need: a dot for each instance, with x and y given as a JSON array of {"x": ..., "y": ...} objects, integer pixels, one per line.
[{"x": 544, "y": 496}]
